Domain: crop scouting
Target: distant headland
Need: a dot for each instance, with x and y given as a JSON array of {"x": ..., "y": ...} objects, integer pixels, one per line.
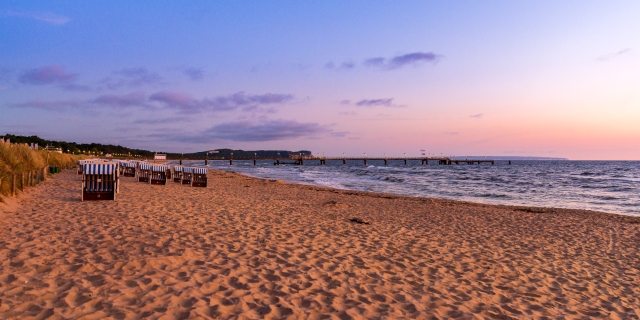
[{"x": 120, "y": 151}]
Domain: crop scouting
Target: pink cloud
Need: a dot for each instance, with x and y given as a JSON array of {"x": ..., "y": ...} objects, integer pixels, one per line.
[
  {"x": 47, "y": 75},
  {"x": 178, "y": 99},
  {"x": 124, "y": 100}
]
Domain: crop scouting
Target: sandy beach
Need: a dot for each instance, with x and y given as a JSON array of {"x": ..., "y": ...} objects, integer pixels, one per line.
[{"x": 247, "y": 248}]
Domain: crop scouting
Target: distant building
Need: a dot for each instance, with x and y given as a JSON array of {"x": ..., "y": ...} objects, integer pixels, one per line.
[
  {"x": 108, "y": 155},
  {"x": 159, "y": 156},
  {"x": 54, "y": 149}
]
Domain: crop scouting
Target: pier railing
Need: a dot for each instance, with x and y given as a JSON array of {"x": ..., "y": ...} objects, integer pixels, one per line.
[{"x": 323, "y": 160}]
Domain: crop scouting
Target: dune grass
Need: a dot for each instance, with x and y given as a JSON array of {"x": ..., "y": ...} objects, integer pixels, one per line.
[{"x": 20, "y": 159}]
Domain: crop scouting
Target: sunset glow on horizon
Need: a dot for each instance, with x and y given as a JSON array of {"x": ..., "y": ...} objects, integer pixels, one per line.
[{"x": 500, "y": 78}]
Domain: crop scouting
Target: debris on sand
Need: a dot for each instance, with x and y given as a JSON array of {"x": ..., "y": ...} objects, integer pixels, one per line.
[{"x": 358, "y": 220}]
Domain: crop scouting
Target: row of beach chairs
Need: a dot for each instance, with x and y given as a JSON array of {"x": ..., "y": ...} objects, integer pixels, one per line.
[
  {"x": 195, "y": 177},
  {"x": 101, "y": 178}
]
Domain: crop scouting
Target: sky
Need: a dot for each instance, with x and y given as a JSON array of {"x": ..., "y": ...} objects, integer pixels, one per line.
[{"x": 457, "y": 78}]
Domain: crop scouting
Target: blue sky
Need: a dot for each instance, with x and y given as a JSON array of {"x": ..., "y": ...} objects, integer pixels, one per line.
[{"x": 539, "y": 78}]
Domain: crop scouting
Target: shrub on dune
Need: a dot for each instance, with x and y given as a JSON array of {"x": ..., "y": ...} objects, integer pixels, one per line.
[{"x": 19, "y": 158}]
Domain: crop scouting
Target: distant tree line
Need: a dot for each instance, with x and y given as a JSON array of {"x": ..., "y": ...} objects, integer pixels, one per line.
[{"x": 123, "y": 152}]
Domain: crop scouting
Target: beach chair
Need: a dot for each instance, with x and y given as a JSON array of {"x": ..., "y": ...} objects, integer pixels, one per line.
[
  {"x": 199, "y": 178},
  {"x": 187, "y": 175},
  {"x": 121, "y": 166},
  {"x": 144, "y": 171},
  {"x": 100, "y": 181},
  {"x": 177, "y": 174},
  {"x": 129, "y": 169},
  {"x": 159, "y": 174},
  {"x": 81, "y": 163}
]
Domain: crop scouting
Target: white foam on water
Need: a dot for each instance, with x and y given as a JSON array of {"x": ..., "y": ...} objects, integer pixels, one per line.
[{"x": 611, "y": 186}]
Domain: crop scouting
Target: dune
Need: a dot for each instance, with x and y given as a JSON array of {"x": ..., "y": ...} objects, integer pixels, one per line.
[{"x": 248, "y": 248}]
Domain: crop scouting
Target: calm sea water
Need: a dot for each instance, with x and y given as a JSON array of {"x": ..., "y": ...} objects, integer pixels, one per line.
[{"x": 609, "y": 186}]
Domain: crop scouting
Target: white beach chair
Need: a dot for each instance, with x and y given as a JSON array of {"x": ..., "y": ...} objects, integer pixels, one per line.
[
  {"x": 81, "y": 163},
  {"x": 159, "y": 174},
  {"x": 199, "y": 178},
  {"x": 129, "y": 169},
  {"x": 144, "y": 172},
  {"x": 187, "y": 175},
  {"x": 100, "y": 181},
  {"x": 177, "y": 174}
]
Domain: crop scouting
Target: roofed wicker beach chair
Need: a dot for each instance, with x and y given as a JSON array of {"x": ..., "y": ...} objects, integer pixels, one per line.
[
  {"x": 100, "y": 181},
  {"x": 177, "y": 174},
  {"x": 144, "y": 171},
  {"x": 187, "y": 175},
  {"x": 82, "y": 163},
  {"x": 159, "y": 174},
  {"x": 199, "y": 177},
  {"x": 129, "y": 169},
  {"x": 121, "y": 166}
]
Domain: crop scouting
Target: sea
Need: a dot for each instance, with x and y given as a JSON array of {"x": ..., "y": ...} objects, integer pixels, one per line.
[{"x": 608, "y": 186}]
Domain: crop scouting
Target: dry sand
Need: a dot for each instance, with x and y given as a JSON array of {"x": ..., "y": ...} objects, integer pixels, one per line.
[{"x": 248, "y": 248}]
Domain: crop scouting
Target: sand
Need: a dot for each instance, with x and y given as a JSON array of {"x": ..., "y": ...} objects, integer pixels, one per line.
[{"x": 248, "y": 248}]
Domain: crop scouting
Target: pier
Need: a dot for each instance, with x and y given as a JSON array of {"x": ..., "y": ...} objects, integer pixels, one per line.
[{"x": 323, "y": 160}]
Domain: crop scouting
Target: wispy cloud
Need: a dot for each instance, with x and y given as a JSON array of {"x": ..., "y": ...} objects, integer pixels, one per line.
[
  {"x": 451, "y": 133},
  {"x": 347, "y": 65},
  {"x": 375, "y": 102},
  {"x": 415, "y": 58},
  {"x": 385, "y": 102},
  {"x": 252, "y": 131},
  {"x": 75, "y": 87},
  {"x": 374, "y": 62},
  {"x": 173, "y": 100},
  {"x": 339, "y": 134},
  {"x": 348, "y": 113},
  {"x": 131, "y": 77},
  {"x": 135, "y": 99},
  {"x": 47, "y": 75},
  {"x": 51, "y": 105},
  {"x": 266, "y": 131},
  {"x": 477, "y": 115},
  {"x": 194, "y": 73},
  {"x": 613, "y": 55},
  {"x": 51, "y": 18},
  {"x": 234, "y": 101},
  {"x": 162, "y": 120},
  {"x": 124, "y": 100}
]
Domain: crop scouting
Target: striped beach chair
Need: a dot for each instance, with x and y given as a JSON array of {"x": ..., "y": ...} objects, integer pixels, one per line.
[
  {"x": 187, "y": 175},
  {"x": 159, "y": 174},
  {"x": 121, "y": 166},
  {"x": 100, "y": 181},
  {"x": 199, "y": 178},
  {"x": 144, "y": 171},
  {"x": 177, "y": 174},
  {"x": 129, "y": 169},
  {"x": 81, "y": 163}
]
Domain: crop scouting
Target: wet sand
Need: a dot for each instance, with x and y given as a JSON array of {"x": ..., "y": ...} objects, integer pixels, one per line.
[{"x": 248, "y": 248}]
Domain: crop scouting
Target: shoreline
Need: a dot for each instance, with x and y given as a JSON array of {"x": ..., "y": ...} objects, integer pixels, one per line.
[
  {"x": 260, "y": 248},
  {"x": 524, "y": 208},
  {"x": 581, "y": 187}
]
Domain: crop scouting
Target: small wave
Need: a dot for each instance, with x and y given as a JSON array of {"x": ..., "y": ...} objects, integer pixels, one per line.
[
  {"x": 393, "y": 179},
  {"x": 608, "y": 198},
  {"x": 494, "y": 195}
]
